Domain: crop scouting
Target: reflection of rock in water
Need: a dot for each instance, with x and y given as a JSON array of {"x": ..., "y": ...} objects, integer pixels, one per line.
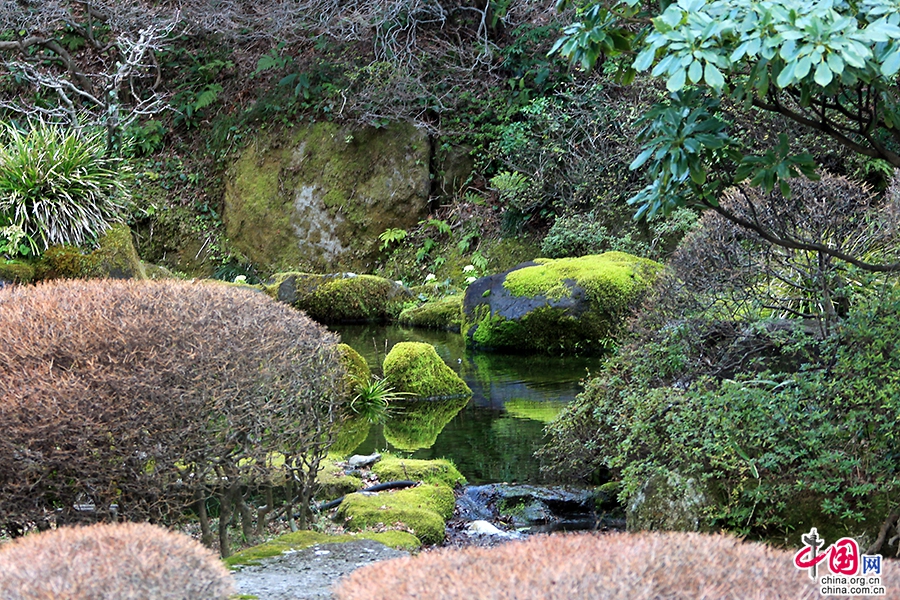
[
  {"x": 350, "y": 435},
  {"x": 417, "y": 424}
]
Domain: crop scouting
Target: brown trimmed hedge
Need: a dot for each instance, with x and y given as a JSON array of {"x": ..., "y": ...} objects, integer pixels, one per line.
[
  {"x": 131, "y": 400},
  {"x": 111, "y": 562}
]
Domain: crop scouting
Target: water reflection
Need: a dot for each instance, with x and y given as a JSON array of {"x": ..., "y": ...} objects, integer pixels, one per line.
[{"x": 492, "y": 436}]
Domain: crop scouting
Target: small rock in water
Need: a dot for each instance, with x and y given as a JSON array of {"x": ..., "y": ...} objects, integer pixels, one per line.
[
  {"x": 486, "y": 528},
  {"x": 358, "y": 461}
]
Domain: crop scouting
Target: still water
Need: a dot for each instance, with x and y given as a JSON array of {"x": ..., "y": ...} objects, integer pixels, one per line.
[{"x": 492, "y": 436}]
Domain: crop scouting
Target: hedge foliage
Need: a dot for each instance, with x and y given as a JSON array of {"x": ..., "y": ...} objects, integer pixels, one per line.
[{"x": 126, "y": 399}]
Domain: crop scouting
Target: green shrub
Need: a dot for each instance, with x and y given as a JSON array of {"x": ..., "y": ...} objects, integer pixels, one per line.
[
  {"x": 785, "y": 431},
  {"x": 58, "y": 186}
]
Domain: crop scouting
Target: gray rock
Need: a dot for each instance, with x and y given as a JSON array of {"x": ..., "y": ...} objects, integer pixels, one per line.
[
  {"x": 669, "y": 502},
  {"x": 358, "y": 461},
  {"x": 485, "y": 528}
]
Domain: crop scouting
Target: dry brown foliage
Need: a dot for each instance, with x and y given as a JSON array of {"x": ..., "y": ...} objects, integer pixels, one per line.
[
  {"x": 111, "y": 562},
  {"x": 645, "y": 566},
  {"x": 123, "y": 399}
]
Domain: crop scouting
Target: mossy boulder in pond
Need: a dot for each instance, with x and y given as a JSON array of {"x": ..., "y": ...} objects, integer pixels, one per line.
[
  {"x": 423, "y": 509},
  {"x": 444, "y": 313},
  {"x": 441, "y": 470},
  {"x": 416, "y": 368},
  {"x": 114, "y": 258},
  {"x": 318, "y": 196},
  {"x": 416, "y": 424},
  {"x": 341, "y": 297},
  {"x": 356, "y": 371},
  {"x": 561, "y": 306}
]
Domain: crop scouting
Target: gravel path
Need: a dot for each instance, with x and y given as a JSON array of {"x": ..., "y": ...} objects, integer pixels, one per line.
[{"x": 309, "y": 573}]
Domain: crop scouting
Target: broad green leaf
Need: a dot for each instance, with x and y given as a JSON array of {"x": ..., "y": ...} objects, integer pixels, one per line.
[
  {"x": 713, "y": 76},
  {"x": 786, "y": 77},
  {"x": 695, "y": 72},
  {"x": 803, "y": 66},
  {"x": 891, "y": 64},
  {"x": 676, "y": 81},
  {"x": 823, "y": 74}
]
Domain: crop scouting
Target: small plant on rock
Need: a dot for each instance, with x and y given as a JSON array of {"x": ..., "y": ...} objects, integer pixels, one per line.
[{"x": 373, "y": 399}]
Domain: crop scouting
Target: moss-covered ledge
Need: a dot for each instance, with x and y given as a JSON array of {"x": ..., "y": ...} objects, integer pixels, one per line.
[{"x": 299, "y": 540}]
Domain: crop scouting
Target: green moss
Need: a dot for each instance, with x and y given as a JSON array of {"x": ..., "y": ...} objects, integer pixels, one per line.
[
  {"x": 416, "y": 368},
  {"x": 16, "y": 271},
  {"x": 356, "y": 371},
  {"x": 445, "y": 313},
  {"x": 304, "y": 539},
  {"x": 536, "y": 410},
  {"x": 363, "y": 298},
  {"x": 416, "y": 424},
  {"x": 331, "y": 482},
  {"x": 611, "y": 278},
  {"x": 115, "y": 257},
  {"x": 422, "y": 509},
  {"x": 441, "y": 470}
]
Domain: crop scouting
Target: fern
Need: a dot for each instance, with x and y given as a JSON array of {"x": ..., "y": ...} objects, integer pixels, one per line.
[{"x": 208, "y": 96}]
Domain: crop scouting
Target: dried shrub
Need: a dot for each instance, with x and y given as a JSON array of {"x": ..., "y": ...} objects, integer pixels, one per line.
[
  {"x": 596, "y": 567},
  {"x": 743, "y": 274},
  {"x": 138, "y": 398},
  {"x": 111, "y": 562}
]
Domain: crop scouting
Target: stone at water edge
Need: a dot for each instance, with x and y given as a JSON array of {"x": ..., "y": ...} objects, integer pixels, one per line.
[{"x": 358, "y": 461}]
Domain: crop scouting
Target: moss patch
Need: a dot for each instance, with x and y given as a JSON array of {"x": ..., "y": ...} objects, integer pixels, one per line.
[
  {"x": 445, "y": 313},
  {"x": 331, "y": 482},
  {"x": 341, "y": 297},
  {"x": 417, "y": 424},
  {"x": 115, "y": 258},
  {"x": 441, "y": 470},
  {"x": 298, "y": 540},
  {"x": 16, "y": 271},
  {"x": 416, "y": 368},
  {"x": 422, "y": 509}
]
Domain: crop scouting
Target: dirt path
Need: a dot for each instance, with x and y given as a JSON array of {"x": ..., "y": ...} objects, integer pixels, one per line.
[{"x": 309, "y": 573}]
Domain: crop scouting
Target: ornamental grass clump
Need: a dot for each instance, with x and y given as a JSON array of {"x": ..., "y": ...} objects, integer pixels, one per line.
[
  {"x": 111, "y": 562},
  {"x": 135, "y": 400},
  {"x": 56, "y": 187}
]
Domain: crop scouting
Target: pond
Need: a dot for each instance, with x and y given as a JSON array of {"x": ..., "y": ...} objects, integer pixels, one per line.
[{"x": 492, "y": 436}]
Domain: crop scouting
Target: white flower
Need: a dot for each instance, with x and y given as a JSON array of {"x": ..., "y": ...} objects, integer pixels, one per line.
[
  {"x": 468, "y": 268},
  {"x": 429, "y": 277},
  {"x": 399, "y": 282},
  {"x": 471, "y": 279},
  {"x": 240, "y": 279}
]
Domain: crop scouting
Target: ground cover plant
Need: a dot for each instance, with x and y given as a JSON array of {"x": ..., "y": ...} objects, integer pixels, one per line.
[{"x": 141, "y": 400}]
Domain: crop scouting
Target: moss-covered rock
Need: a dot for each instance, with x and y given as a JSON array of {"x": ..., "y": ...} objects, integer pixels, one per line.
[
  {"x": 298, "y": 540},
  {"x": 332, "y": 482},
  {"x": 15, "y": 271},
  {"x": 416, "y": 368},
  {"x": 318, "y": 196},
  {"x": 423, "y": 509},
  {"x": 356, "y": 371},
  {"x": 416, "y": 424},
  {"x": 342, "y": 297},
  {"x": 561, "y": 306},
  {"x": 115, "y": 258},
  {"x": 441, "y": 470},
  {"x": 444, "y": 313},
  {"x": 669, "y": 502}
]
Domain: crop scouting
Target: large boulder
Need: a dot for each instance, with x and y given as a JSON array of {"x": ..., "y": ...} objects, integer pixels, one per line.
[
  {"x": 114, "y": 258},
  {"x": 669, "y": 502},
  {"x": 341, "y": 297},
  {"x": 416, "y": 368},
  {"x": 318, "y": 196},
  {"x": 561, "y": 306}
]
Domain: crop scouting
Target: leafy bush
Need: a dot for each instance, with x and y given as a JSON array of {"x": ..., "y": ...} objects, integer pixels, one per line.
[
  {"x": 577, "y": 235},
  {"x": 57, "y": 186},
  {"x": 111, "y": 562},
  {"x": 137, "y": 399},
  {"x": 784, "y": 431}
]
